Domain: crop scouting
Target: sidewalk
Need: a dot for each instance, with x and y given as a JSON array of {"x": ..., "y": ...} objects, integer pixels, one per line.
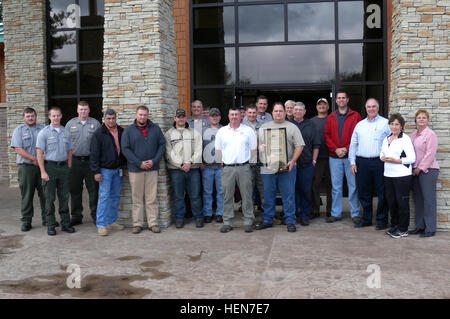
[{"x": 319, "y": 261}]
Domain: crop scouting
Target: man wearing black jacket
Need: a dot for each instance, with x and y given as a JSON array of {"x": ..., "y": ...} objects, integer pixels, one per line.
[
  {"x": 106, "y": 161},
  {"x": 305, "y": 163}
]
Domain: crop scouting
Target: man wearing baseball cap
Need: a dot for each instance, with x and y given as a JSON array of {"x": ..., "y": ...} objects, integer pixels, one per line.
[
  {"x": 184, "y": 157},
  {"x": 322, "y": 167}
]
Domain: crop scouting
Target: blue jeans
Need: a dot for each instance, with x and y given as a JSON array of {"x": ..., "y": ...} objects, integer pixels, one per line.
[
  {"x": 108, "y": 196},
  {"x": 211, "y": 177},
  {"x": 303, "y": 191},
  {"x": 190, "y": 182},
  {"x": 286, "y": 184},
  {"x": 339, "y": 167}
]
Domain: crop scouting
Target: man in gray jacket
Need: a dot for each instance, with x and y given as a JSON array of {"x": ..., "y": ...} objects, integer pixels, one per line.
[{"x": 143, "y": 146}]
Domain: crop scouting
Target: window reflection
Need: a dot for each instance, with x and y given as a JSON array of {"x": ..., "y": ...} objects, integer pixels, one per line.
[
  {"x": 63, "y": 46},
  {"x": 64, "y": 79},
  {"x": 361, "y": 62},
  {"x": 262, "y": 23},
  {"x": 214, "y": 25},
  {"x": 214, "y": 66},
  {"x": 351, "y": 20},
  {"x": 220, "y": 98},
  {"x": 58, "y": 12},
  {"x": 91, "y": 45},
  {"x": 287, "y": 64},
  {"x": 311, "y": 21},
  {"x": 92, "y": 12},
  {"x": 91, "y": 78}
]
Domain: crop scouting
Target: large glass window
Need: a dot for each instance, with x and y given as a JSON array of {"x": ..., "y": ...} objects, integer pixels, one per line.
[
  {"x": 75, "y": 55},
  {"x": 257, "y": 45}
]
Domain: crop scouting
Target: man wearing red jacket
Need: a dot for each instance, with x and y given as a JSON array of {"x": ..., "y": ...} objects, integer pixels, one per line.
[{"x": 339, "y": 128}]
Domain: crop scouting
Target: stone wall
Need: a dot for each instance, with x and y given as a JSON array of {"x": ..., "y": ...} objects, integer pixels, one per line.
[
  {"x": 4, "y": 167},
  {"x": 25, "y": 65},
  {"x": 420, "y": 78},
  {"x": 140, "y": 68}
]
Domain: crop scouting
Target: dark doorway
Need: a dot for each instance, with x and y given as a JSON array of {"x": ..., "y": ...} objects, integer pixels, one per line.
[{"x": 308, "y": 96}]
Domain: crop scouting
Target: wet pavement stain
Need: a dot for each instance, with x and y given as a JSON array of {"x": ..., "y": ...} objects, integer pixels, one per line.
[
  {"x": 126, "y": 258},
  {"x": 92, "y": 286},
  {"x": 152, "y": 263},
  {"x": 156, "y": 274},
  {"x": 196, "y": 258},
  {"x": 9, "y": 242}
]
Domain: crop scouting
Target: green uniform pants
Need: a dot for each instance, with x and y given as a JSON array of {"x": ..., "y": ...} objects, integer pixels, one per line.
[
  {"x": 29, "y": 181},
  {"x": 59, "y": 182},
  {"x": 80, "y": 171}
]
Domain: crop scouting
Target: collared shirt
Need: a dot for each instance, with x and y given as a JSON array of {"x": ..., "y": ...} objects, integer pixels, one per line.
[
  {"x": 261, "y": 118},
  {"x": 400, "y": 148},
  {"x": 254, "y": 125},
  {"x": 236, "y": 144},
  {"x": 25, "y": 137},
  {"x": 367, "y": 138},
  {"x": 199, "y": 125},
  {"x": 81, "y": 135},
  {"x": 55, "y": 144},
  {"x": 425, "y": 145}
]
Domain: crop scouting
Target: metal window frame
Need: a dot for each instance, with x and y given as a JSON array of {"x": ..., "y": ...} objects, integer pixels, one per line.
[
  {"x": 78, "y": 63},
  {"x": 334, "y": 85}
]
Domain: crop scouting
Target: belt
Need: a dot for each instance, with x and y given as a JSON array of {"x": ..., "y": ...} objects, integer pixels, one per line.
[
  {"x": 242, "y": 164},
  {"x": 369, "y": 158},
  {"x": 81, "y": 158},
  {"x": 62, "y": 163},
  {"x": 27, "y": 164}
]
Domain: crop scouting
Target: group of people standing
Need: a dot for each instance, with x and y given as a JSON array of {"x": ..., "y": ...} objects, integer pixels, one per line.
[{"x": 212, "y": 163}]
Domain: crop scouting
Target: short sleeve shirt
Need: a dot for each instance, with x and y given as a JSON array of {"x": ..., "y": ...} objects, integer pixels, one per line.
[
  {"x": 54, "y": 144},
  {"x": 235, "y": 144},
  {"x": 293, "y": 135},
  {"x": 81, "y": 134},
  {"x": 25, "y": 137}
]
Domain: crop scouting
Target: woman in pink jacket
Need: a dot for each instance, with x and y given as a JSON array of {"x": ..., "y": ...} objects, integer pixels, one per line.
[{"x": 425, "y": 174}]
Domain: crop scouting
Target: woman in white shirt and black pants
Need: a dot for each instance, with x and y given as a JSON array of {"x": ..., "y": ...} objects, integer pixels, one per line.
[{"x": 397, "y": 153}]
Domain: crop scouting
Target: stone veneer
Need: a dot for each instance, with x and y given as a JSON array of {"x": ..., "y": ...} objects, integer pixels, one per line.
[
  {"x": 140, "y": 68},
  {"x": 25, "y": 65},
  {"x": 420, "y": 78}
]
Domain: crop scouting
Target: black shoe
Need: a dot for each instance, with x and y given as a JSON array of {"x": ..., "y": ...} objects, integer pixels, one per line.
[
  {"x": 219, "y": 218},
  {"x": 199, "y": 223},
  {"x": 381, "y": 227},
  {"x": 427, "y": 234},
  {"x": 26, "y": 227},
  {"x": 262, "y": 225},
  {"x": 179, "y": 224},
  {"x": 416, "y": 231},
  {"x": 249, "y": 229},
  {"x": 226, "y": 228},
  {"x": 362, "y": 224},
  {"x": 45, "y": 224},
  {"x": 51, "y": 231},
  {"x": 333, "y": 219},
  {"x": 304, "y": 222},
  {"x": 68, "y": 229},
  {"x": 75, "y": 222},
  {"x": 207, "y": 219},
  {"x": 291, "y": 228},
  {"x": 392, "y": 230}
]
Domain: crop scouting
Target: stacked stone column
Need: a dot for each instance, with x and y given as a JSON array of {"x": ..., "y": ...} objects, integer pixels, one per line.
[
  {"x": 420, "y": 78},
  {"x": 25, "y": 66},
  {"x": 139, "y": 67}
]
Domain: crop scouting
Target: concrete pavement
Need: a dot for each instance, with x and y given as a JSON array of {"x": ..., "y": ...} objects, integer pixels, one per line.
[{"x": 319, "y": 261}]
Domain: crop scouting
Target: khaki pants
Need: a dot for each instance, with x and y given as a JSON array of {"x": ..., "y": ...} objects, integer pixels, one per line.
[{"x": 143, "y": 187}]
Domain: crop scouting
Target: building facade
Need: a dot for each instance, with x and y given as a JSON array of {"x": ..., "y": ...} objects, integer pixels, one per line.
[{"x": 164, "y": 54}]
